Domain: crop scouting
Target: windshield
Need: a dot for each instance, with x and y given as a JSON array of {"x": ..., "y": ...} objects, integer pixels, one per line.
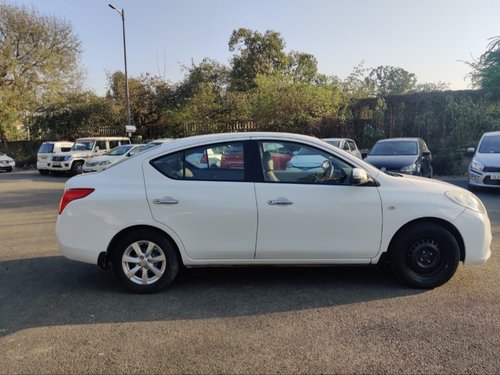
[
  {"x": 490, "y": 145},
  {"x": 387, "y": 148},
  {"x": 83, "y": 146},
  {"x": 333, "y": 143},
  {"x": 120, "y": 150}
]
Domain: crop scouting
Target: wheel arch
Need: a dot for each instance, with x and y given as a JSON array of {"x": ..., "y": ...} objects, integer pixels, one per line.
[
  {"x": 446, "y": 224},
  {"x": 119, "y": 235}
]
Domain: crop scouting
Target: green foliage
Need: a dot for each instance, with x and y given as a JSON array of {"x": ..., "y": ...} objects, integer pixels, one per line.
[
  {"x": 38, "y": 61},
  {"x": 80, "y": 114},
  {"x": 486, "y": 70},
  {"x": 284, "y": 105},
  {"x": 390, "y": 80},
  {"x": 258, "y": 54}
]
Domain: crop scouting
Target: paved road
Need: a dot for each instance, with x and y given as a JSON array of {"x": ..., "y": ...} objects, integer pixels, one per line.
[{"x": 63, "y": 317}]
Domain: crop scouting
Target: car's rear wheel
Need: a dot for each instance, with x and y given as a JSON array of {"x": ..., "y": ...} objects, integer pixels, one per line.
[
  {"x": 424, "y": 255},
  {"x": 144, "y": 261}
]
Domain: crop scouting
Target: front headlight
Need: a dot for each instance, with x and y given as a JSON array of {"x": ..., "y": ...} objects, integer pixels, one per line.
[
  {"x": 466, "y": 199},
  {"x": 67, "y": 158},
  {"x": 476, "y": 165},
  {"x": 106, "y": 162},
  {"x": 409, "y": 168}
]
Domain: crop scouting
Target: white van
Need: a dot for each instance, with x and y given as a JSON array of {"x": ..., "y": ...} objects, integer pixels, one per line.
[
  {"x": 83, "y": 148},
  {"x": 46, "y": 150}
]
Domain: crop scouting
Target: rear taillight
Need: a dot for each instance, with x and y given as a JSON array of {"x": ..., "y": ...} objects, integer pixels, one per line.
[{"x": 72, "y": 194}]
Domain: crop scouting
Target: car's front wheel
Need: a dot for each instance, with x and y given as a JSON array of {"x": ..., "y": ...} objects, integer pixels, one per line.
[
  {"x": 144, "y": 261},
  {"x": 77, "y": 167},
  {"x": 424, "y": 255}
]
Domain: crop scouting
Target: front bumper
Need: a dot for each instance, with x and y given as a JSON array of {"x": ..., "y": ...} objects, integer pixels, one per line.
[
  {"x": 475, "y": 229},
  {"x": 484, "y": 179},
  {"x": 62, "y": 166}
]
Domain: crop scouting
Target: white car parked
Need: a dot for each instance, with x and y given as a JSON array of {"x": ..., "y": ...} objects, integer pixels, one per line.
[
  {"x": 99, "y": 163},
  {"x": 83, "y": 148},
  {"x": 46, "y": 150},
  {"x": 346, "y": 144},
  {"x": 6, "y": 163},
  {"x": 152, "y": 213},
  {"x": 484, "y": 169}
]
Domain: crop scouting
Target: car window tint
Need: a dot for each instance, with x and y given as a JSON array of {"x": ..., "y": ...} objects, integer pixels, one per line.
[
  {"x": 352, "y": 145},
  {"x": 209, "y": 163},
  {"x": 113, "y": 144},
  {"x": 101, "y": 145},
  {"x": 171, "y": 165},
  {"x": 308, "y": 166},
  {"x": 216, "y": 162},
  {"x": 346, "y": 146}
]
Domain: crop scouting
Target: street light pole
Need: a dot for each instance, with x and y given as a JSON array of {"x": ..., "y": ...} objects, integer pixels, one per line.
[{"x": 121, "y": 12}]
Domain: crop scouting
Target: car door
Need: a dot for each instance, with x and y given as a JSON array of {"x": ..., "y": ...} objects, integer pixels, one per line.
[
  {"x": 212, "y": 210},
  {"x": 316, "y": 213}
]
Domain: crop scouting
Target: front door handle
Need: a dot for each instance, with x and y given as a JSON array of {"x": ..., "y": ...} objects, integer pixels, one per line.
[
  {"x": 165, "y": 201},
  {"x": 279, "y": 202}
]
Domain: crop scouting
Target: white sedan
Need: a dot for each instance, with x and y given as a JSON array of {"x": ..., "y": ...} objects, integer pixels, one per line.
[
  {"x": 99, "y": 163},
  {"x": 154, "y": 212},
  {"x": 6, "y": 163}
]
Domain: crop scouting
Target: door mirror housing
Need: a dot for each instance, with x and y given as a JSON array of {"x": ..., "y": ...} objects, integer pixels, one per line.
[
  {"x": 471, "y": 151},
  {"x": 359, "y": 177}
]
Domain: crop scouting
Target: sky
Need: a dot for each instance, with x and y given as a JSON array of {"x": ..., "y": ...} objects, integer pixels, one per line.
[{"x": 430, "y": 38}]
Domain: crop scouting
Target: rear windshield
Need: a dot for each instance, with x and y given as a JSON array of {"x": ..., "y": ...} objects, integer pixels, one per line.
[{"x": 46, "y": 148}]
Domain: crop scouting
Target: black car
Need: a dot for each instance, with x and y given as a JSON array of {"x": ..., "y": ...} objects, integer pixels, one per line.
[{"x": 402, "y": 155}]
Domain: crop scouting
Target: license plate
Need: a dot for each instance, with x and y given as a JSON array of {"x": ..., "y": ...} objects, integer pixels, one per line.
[
  {"x": 495, "y": 176},
  {"x": 56, "y": 164}
]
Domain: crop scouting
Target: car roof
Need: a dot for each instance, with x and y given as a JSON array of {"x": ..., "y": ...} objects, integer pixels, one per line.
[
  {"x": 336, "y": 139},
  {"x": 488, "y": 134},
  {"x": 103, "y": 139},
  {"x": 399, "y": 139},
  {"x": 224, "y": 137}
]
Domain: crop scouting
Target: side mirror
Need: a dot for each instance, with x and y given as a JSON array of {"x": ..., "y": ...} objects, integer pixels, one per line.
[
  {"x": 426, "y": 153},
  {"x": 471, "y": 151},
  {"x": 359, "y": 176}
]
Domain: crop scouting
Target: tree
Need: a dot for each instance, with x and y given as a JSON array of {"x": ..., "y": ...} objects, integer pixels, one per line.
[
  {"x": 283, "y": 105},
  {"x": 257, "y": 54},
  {"x": 390, "y": 80},
  {"x": 486, "y": 70},
  {"x": 75, "y": 114},
  {"x": 39, "y": 58},
  {"x": 148, "y": 95}
]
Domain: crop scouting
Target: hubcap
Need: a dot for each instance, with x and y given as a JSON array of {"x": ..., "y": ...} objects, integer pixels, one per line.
[
  {"x": 425, "y": 256},
  {"x": 144, "y": 262}
]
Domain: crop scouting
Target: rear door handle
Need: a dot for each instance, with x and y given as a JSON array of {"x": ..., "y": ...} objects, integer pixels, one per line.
[
  {"x": 279, "y": 202},
  {"x": 165, "y": 201}
]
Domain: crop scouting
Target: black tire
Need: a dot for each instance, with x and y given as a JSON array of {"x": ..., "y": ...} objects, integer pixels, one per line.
[
  {"x": 43, "y": 172},
  {"x": 77, "y": 167},
  {"x": 9, "y": 169},
  {"x": 424, "y": 255},
  {"x": 149, "y": 276}
]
